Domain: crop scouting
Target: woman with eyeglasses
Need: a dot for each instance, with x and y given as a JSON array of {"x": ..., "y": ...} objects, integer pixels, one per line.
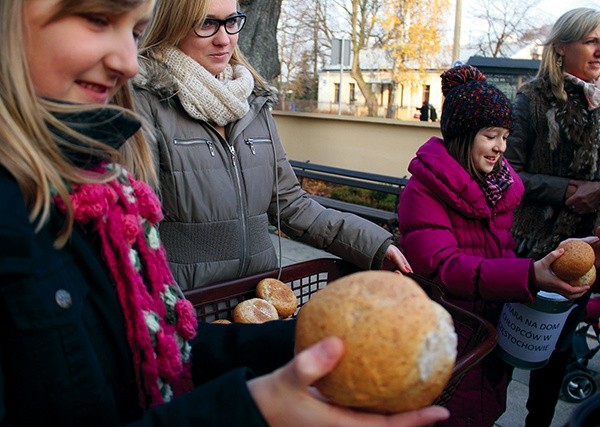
[{"x": 224, "y": 175}]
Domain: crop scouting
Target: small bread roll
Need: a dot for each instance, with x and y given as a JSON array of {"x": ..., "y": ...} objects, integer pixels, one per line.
[
  {"x": 222, "y": 321},
  {"x": 400, "y": 346},
  {"x": 575, "y": 264},
  {"x": 254, "y": 310},
  {"x": 279, "y": 294}
]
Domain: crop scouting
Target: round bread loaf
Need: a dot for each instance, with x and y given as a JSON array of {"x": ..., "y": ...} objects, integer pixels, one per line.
[
  {"x": 575, "y": 264},
  {"x": 254, "y": 310},
  {"x": 400, "y": 345},
  {"x": 279, "y": 294}
]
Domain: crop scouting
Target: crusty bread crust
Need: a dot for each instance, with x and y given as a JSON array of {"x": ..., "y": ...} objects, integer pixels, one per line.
[
  {"x": 587, "y": 279},
  {"x": 400, "y": 345},
  {"x": 279, "y": 294},
  {"x": 254, "y": 310}
]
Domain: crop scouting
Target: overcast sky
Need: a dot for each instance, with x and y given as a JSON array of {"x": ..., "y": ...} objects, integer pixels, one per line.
[
  {"x": 552, "y": 8},
  {"x": 558, "y": 7}
]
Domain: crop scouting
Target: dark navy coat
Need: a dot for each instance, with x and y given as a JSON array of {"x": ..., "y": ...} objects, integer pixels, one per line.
[{"x": 64, "y": 355}]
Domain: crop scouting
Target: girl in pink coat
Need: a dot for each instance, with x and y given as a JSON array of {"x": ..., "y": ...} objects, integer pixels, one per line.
[{"x": 455, "y": 217}]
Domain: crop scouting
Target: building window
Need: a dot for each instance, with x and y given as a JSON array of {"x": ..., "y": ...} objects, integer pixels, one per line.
[
  {"x": 386, "y": 93},
  {"x": 352, "y": 88},
  {"x": 336, "y": 92},
  {"x": 426, "y": 91}
]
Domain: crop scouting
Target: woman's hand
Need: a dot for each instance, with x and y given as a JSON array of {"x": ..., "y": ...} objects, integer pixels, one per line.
[
  {"x": 546, "y": 280},
  {"x": 586, "y": 197},
  {"x": 285, "y": 397},
  {"x": 395, "y": 260}
]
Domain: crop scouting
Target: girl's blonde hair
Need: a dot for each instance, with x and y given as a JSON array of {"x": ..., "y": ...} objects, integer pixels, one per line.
[
  {"x": 572, "y": 26},
  {"x": 172, "y": 22},
  {"x": 29, "y": 150}
]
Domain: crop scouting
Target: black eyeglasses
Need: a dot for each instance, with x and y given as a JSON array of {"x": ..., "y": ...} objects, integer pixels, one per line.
[{"x": 210, "y": 26}]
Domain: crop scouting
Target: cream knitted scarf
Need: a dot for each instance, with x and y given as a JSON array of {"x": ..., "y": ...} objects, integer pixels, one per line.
[{"x": 220, "y": 100}]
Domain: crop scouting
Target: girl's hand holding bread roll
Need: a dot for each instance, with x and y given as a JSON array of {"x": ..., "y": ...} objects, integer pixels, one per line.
[
  {"x": 569, "y": 269},
  {"x": 577, "y": 264}
]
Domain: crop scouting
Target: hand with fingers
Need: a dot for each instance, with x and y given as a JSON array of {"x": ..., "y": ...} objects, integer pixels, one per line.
[
  {"x": 286, "y": 398},
  {"x": 395, "y": 260},
  {"x": 583, "y": 197},
  {"x": 547, "y": 280}
]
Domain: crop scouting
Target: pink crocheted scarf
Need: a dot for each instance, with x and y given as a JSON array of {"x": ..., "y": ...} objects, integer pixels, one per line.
[{"x": 159, "y": 321}]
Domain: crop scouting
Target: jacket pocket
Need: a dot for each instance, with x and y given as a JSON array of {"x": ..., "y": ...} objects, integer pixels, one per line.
[
  {"x": 253, "y": 142},
  {"x": 196, "y": 141},
  {"x": 49, "y": 298}
]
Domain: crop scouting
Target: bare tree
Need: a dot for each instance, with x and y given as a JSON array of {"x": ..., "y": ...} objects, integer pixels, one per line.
[
  {"x": 511, "y": 25},
  {"x": 304, "y": 40},
  {"x": 259, "y": 39},
  {"x": 408, "y": 30},
  {"x": 292, "y": 38},
  {"x": 363, "y": 21}
]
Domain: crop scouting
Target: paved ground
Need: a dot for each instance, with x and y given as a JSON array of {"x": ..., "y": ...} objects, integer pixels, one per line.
[{"x": 293, "y": 252}]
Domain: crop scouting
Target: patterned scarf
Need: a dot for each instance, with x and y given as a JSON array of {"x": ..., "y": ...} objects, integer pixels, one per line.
[
  {"x": 159, "y": 322},
  {"x": 220, "y": 100},
  {"x": 496, "y": 182},
  {"x": 590, "y": 90}
]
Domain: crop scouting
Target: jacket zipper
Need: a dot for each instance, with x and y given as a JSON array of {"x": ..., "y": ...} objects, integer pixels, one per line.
[
  {"x": 244, "y": 217},
  {"x": 251, "y": 141},
  {"x": 197, "y": 141}
]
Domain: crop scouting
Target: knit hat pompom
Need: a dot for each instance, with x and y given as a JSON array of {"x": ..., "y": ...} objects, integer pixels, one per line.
[
  {"x": 458, "y": 76},
  {"x": 471, "y": 103}
]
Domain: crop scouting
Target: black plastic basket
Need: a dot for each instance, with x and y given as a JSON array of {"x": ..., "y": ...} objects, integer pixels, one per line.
[
  {"x": 479, "y": 337},
  {"x": 217, "y": 301}
]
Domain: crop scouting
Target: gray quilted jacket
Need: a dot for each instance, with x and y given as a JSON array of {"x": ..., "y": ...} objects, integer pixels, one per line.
[{"x": 220, "y": 195}]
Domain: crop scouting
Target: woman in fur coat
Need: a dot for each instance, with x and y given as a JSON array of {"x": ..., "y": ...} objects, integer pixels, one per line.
[{"x": 555, "y": 148}]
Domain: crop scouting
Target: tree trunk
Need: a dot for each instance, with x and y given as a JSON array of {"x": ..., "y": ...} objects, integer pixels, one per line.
[
  {"x": 391, "y": 107},
  {"x": 357, "y": 75},
  {"x": 258, "y": 39},
  {"x": 360, "y": 18}
]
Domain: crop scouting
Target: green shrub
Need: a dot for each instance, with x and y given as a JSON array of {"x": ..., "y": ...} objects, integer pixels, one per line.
[{"x": 360, "y": 196}]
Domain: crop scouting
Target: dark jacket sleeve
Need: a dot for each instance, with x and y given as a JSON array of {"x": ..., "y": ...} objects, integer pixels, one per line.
[
  {"x": 224, "y": 358},
  {"x": 547, "y": 189},
  {"x": 221, "y": 348},
  {"x": 224, "y": 402}
]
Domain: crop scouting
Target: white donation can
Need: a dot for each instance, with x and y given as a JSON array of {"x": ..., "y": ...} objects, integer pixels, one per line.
[{"x": 527, "y": 333}]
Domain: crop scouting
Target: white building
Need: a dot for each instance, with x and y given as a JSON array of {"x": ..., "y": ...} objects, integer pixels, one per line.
[{"x": 411, "y": 91}]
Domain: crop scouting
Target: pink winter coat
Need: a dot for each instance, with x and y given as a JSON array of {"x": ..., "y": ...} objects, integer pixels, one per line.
[{"x": 452, "y": 236}]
